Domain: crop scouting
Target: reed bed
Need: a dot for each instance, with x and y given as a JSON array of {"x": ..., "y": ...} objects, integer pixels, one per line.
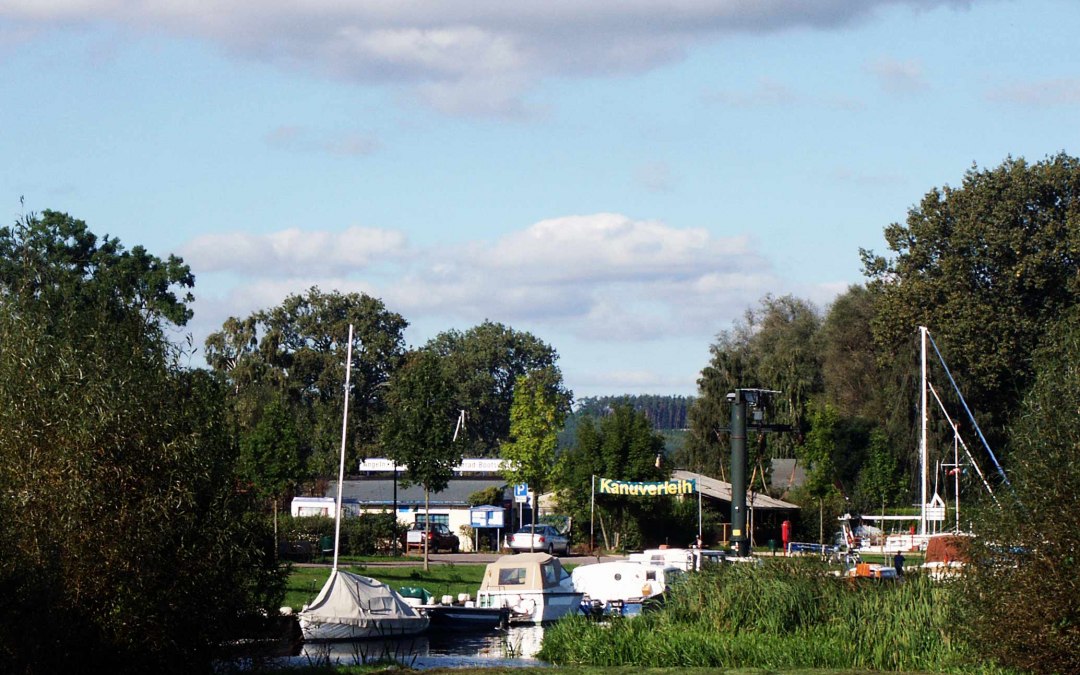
[{"x": 782, "y": 615}]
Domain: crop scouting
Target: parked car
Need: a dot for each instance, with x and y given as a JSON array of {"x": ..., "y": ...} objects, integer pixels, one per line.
[
  {"x": 439, "y": 538},
  {"x": 544, "y": 538}
]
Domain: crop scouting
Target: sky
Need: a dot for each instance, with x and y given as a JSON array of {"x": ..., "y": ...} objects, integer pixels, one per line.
[{"x": 621, "y": 178}]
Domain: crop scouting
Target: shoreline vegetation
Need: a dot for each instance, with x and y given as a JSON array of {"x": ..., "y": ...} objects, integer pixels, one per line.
[{"x": 783, "y": 615}]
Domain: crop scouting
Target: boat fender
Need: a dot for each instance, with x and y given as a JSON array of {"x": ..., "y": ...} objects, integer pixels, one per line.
[{"x": 646, "y": 590}]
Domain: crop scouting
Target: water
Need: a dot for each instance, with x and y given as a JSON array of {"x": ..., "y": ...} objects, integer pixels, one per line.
[{"x": 514, "y": 646}]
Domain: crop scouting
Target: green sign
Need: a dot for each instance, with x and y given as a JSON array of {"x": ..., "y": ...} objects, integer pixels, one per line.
[{"x": 641, "y": 489}]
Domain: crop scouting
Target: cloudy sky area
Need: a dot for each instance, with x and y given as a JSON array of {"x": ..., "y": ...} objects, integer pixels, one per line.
[{"x": 621, "y": 178}]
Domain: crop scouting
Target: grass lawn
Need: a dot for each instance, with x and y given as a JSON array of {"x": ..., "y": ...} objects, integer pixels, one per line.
[{"x": 443, "y": 579}]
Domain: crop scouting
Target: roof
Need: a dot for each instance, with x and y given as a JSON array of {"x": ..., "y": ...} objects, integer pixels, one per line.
[
  {"x": 721, "y": 490},
  {"x": 380, "y": 491}
]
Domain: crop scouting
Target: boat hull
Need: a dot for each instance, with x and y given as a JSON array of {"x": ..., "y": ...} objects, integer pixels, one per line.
[
  {"x": 533, "y": 607},
  {"x": 363, "y": 629},
  {"x": 458, "y": 617}
]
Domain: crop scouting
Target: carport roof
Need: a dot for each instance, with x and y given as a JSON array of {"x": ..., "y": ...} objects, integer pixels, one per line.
[{"x": 721, "y": 490}]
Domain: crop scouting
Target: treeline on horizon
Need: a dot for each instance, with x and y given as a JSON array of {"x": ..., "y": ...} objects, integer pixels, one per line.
[
  {"x": 665, "y": 412},
  {"x": 120, "y": 462}
]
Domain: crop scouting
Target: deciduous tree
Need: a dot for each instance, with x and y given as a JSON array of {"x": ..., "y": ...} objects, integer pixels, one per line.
[{"x": 419, "y": 429}]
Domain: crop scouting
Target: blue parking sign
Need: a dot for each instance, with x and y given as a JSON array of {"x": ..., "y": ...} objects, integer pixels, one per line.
[{"x": 521, "y": 492}]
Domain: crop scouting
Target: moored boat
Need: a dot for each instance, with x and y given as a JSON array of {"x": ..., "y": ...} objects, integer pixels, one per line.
[
  {"x": 533, "y": 587},
  {"x": 355, "y": 607},
  {"x": 621, "y": 587}
]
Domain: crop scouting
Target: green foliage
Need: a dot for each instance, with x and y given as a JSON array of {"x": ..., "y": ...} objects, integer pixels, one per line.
[
  {"x": 622, "y": 446},
  {"x": 484, "y": 363},
  {"x": 774, "y": 347},
  {"x": 419, "y": 431},
  {"x": 295, "y": 352},
  {"x": 270, "y": 453},
  {"x": 363, "y": 535},
  {"x": 778, "y": 616},
  {"x": 1022, "y": 593},
  {"x": 53, "y": 261},
  {"x": 489, "y": 496},
  {"x": 126, "y": 546},
  {"x": 535, "y": 419},
  {"x": 987, "y": 266}
]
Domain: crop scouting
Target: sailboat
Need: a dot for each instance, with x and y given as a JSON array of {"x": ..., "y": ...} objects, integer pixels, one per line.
[
  {"x": 932, "y": 508},
  {"x": 351, "y": 606}
]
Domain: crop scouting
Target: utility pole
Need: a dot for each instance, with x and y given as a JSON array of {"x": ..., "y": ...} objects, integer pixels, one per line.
[{"x": 756, "y": 402}]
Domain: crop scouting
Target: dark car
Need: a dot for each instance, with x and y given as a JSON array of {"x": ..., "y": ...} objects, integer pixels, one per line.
[{"x": 439, "y": 537}]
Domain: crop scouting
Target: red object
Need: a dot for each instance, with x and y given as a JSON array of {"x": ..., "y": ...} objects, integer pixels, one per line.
[
  {"x": 913, "y": 529},
  {"x": 785, "y": 532}
]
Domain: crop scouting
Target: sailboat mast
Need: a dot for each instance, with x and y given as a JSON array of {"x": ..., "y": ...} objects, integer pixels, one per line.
[
  {"x": 341, "y": 467},
  {"x": 923, "y": 451}
]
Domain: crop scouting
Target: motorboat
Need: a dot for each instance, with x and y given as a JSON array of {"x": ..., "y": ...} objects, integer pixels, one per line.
[
  {"x": 354, "y": 607},
  {"x": 534, "y": 587},
  {"x": 460, "y": 613},
  {"x": 621, "y": 587},
  {"x": 685, "y": 559}
]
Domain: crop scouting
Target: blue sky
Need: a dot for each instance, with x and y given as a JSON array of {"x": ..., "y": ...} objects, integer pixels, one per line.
[{"x": 621, "y": 178}]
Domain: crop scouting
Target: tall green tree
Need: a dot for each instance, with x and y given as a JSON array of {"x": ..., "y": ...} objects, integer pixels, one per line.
[
  {"x": 536, "y": 416},
  {"x": 297, "y": 349},
  {"x": 774, "y": 347},
  {"x": 621, "y": 446},
  {"x": 988, "y": 266},
  {"x": 419, "y": 429},
  {"x": 120, "y": 515},
  {"x": 53, "y": 261},
  {"x": 1022, "y": 601},
  {"x": 484, "y": 362}
]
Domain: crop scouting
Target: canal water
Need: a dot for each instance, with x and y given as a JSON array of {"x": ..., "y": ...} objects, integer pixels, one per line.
[{"x": 514, "y": 646}]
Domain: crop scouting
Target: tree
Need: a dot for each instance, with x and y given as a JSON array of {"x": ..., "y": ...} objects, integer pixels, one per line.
[
  {"x": 120, "y": 516},
  {"x": 819, "y": 453},
  {"x": 297, "y": 349},
  {"x": 1021, "y": 604},
  {"x": 52, "y": 261},
  {"x": 484, "y": 363},
  {"x": 269, "y": 460},
  {"x": 774, "y": 347},
  {"x": 622, "y": 446},
  {"x": 419, "y": 429},
  {"x": 536, "y": 416},
  {"x": 987, "y": 267}
]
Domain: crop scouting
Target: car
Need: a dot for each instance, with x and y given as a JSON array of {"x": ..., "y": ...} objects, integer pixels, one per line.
[
  {"x": 439, "y": 538},
  {"x": 543, "y": 538}
]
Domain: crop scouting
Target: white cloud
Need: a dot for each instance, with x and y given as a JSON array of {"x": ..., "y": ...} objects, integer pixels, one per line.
[
  {"x": 447, "y": 54},
  {"x": 1045, "y": 93},
  {"x": 899, "y": 77},
  {"x": 293, "y": 252},
  {"x": 602, "y": 276}
]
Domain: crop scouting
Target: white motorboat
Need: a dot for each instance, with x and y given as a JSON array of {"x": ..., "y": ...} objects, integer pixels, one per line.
[
  {"x": 621, "y": 587},
  {"x": 685, "y": 559},
  {"x": 534, "y": 587},
  {"x": 354, "y": 607}
]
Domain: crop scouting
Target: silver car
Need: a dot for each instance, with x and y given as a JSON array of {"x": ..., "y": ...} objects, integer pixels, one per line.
[{"x": 544, "y": 538}]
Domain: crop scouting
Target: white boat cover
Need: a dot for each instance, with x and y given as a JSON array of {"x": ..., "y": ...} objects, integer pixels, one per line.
[{"x": 349, "y": 599}]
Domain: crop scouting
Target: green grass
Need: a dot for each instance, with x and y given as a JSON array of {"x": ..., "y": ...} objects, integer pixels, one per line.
[
  {"x": 443, "y": 579},
  {"x": 780, "y": 616}
]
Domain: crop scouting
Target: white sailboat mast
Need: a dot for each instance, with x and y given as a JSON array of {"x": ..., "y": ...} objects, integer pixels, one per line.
[
  {"x": 923, "y": 451},
  {"x": 341, "y": 467}
]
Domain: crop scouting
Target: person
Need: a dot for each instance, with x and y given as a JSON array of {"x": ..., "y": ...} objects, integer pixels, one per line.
[{"x": 898, "y": 563}]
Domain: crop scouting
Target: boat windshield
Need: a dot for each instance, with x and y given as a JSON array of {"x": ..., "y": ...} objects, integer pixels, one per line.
[{"x": 511, "y": 576}]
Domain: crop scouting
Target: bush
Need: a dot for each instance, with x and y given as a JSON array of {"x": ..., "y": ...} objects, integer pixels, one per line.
[{"x": 366, "y": 534}]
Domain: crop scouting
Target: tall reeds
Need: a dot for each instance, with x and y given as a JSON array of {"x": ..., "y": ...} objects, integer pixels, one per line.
[{"x": 785, "y": 614}]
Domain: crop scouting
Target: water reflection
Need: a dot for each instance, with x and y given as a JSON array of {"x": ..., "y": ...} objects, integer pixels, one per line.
[{"x": 515, "y": 646}]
